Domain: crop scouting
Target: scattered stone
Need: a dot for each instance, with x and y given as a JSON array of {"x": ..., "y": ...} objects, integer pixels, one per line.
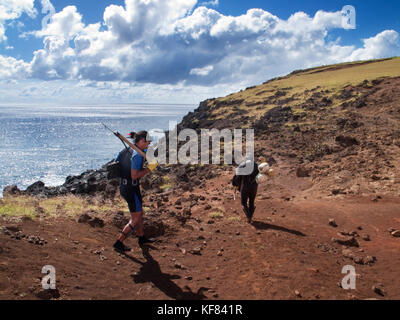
[
  {"x": 303, "y": 172},
  {"x": 207, "y": 207},
  {"x": 36, "y": 240},
  {"x": 83, "y": 218},
  {"x": 102, "y": 257},
  {"x": 297, "y": 293},
  {"x": 366, "y": 237},
  {"x": 378, "y": 291},
  {"x": 178, "y": 265},
  {"x": 189, "y": 278},
  {"x": 360, "y": 228},
  {"x": 196, "y": 251},
  {"x": 201, "y": 238},
  {"x": 358, "y": 260},
  {"x": 346, "y": 141},
  {"x": 93, "y": 222},
  {"x": 370, "y": 260},
  {"x": 12, "y": 228},
  {"x": 219, "y": 254},
  {"x": 96, "y": 223},
  {"x": 347, "y": 253},
  {"x": 349, "y": 242},
  {"x": 333, "y": 223},
  {"x": 238, "y": 233},
  {"x": 5, "y": 231},
  {"x": 396, "y": 234},
  {"x": 210, "y": 221}
]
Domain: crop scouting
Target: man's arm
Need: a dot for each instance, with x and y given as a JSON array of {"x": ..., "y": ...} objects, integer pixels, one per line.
[{"x": 136, "y": 174}]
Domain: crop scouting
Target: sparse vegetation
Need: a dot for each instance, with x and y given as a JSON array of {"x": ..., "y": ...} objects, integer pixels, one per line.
[{"x": 25, "y": 206}]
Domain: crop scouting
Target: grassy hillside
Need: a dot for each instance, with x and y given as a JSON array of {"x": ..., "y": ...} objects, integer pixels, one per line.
[{"x": 297, "y": 87}]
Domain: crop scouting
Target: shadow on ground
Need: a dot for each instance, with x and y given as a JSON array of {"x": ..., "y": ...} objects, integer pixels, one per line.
[
  {"x": 265, "y": 226},
  {"x": 151, "y": 272}
]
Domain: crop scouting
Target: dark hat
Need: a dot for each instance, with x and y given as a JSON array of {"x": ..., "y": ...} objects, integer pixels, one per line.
[{"x": 139, "y": 136}]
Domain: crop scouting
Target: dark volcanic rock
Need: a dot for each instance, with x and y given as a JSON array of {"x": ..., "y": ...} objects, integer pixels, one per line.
[
  {"x": 36, "y": 188},
  {"x": 346, "y": 141},
  {"x": 87, "y": 183},
  {"x": 11, "y": 191}
]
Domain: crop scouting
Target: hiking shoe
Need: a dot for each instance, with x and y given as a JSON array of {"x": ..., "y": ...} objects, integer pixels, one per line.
[
  {"x": 120, "y": 247},
  {"x": 144, "y": 240}
]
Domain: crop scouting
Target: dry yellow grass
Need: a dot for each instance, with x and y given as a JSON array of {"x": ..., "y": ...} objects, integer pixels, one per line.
[
  {"x": 332, "y": 78},
  {"x": 24, "y": 206}
]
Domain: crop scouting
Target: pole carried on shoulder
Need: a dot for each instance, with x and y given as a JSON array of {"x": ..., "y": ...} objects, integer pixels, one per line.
[{"x": 125, "y": 140}]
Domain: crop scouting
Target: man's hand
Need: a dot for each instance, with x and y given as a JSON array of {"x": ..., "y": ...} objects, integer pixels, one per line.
[
  {"x": 152, "y": 166},
  {"x": 271, "y": 173}
]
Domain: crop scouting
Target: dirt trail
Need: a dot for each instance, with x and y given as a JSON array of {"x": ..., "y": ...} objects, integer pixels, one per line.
[{"x": 287, "y": 248}]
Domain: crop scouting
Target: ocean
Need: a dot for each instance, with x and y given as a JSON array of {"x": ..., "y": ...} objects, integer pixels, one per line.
[{"x": 50, "y": 143}]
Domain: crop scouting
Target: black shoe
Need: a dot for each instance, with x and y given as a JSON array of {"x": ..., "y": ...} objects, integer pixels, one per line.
[
  {"x": 120, "y": 247},
  {"x": 144, "y": 240},
  {"x": 247, "y": 213}
]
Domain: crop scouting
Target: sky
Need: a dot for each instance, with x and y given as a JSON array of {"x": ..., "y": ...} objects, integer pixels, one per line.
[{"x": 178, "y": 51}]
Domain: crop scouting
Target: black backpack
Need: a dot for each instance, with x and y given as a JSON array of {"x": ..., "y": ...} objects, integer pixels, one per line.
[
  {"x": 121, "y": 168},
  {"x": 245, "y": 179},
  {"x": 125, "y": 161}
]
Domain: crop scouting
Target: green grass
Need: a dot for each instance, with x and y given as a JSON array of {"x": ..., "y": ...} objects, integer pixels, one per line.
[
  {"x": 23, "y": 206},
  {"x": 168, "y": 183},
  {"x": 217, "y": 213},
  {"x": 17, "y": 207},
  {"x": 233, "y": 219}
]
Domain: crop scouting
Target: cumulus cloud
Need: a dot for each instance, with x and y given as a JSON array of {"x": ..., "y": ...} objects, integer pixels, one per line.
[
  {"x": 11, "y": 68},
  {"x": 13, "y": 9},
  {"x": 159, "y": 42},
  {"x": 385, "y": 44}
]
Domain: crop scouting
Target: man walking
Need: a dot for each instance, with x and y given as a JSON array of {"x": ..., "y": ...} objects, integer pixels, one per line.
[
  {"x": 248, "y": 186},
  {"x": 130, "y": 188}
]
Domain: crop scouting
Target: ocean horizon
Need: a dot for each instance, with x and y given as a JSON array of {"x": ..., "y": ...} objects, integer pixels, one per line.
[{"x": 50, "y": 143}]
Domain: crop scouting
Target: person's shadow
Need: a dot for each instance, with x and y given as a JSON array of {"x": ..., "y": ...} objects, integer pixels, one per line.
[
  {"x": 265, "y": 226},
  {"x": 151, "y": 272}
]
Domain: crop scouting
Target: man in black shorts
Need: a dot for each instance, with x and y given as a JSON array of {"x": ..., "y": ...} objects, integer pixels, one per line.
[{"x": 130, "y": 190}]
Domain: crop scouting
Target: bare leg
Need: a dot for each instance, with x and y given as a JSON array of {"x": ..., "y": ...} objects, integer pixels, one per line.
[{"x": 135, "y": 222}]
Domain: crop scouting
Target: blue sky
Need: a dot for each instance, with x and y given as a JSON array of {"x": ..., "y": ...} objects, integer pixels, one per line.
[{"x": 177, "y": 50}]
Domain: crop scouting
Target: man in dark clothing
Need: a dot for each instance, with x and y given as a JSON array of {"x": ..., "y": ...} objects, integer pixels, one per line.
[
  {"x": 130, "y": 190},
  {"x": 248, "y": 187}
]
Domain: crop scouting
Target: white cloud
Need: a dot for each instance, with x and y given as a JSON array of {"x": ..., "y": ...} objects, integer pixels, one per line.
[
  {"x": 11, "y": 68},
  {"x": 202, "y": 71},
  {"x": 13, "y": 9},
  {"x": 212, "y": 3},
  {"x": 383, "y": 45},
  {"x": 157, "y": 43}
]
